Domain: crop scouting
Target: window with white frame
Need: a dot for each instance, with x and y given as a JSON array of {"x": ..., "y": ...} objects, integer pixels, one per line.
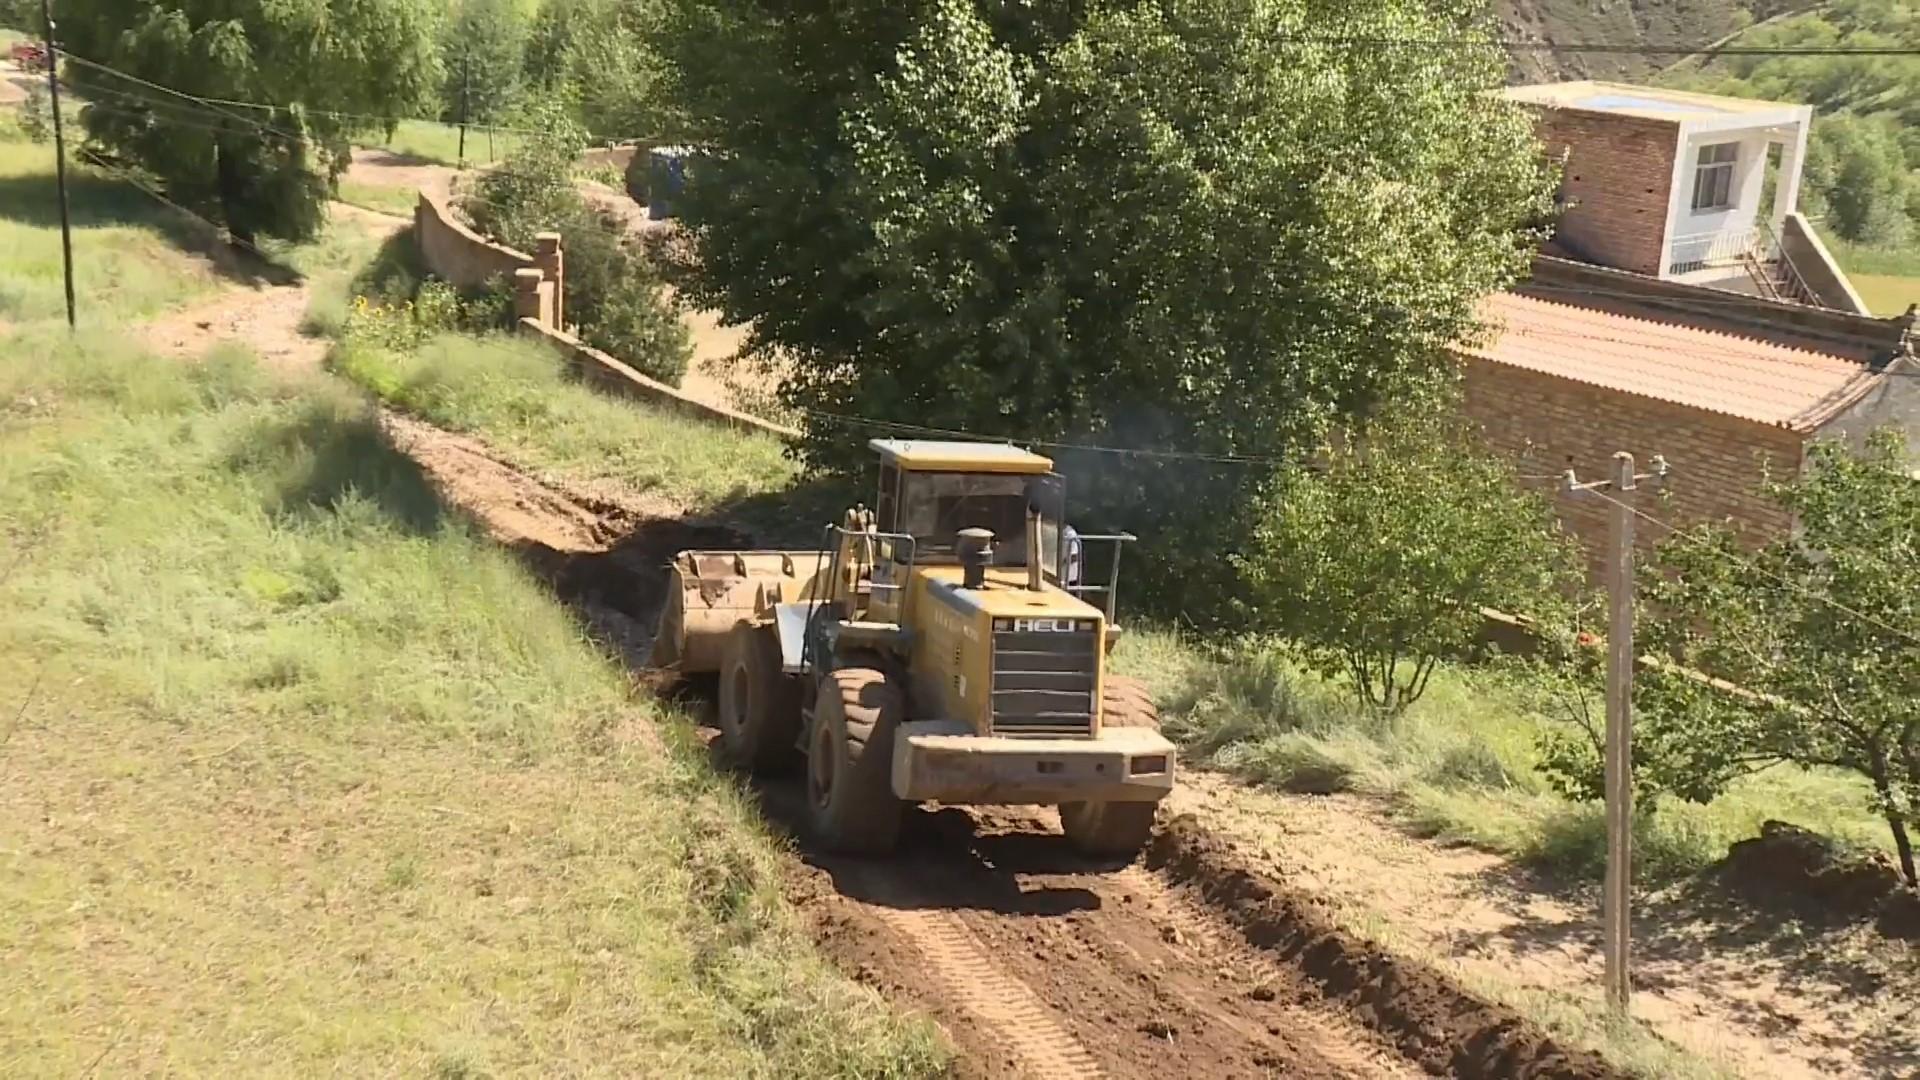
[{"x": 1713, "y": 176}]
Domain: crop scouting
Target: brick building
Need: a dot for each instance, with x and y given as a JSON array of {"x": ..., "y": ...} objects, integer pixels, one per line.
[
  {"x": 1670, "y": 316},
  {"x": 1583, "y": 362}
]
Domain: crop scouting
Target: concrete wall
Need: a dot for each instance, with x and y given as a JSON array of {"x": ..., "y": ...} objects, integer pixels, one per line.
[
  {"x": 1818, "y": 269},
  {"x": 1749, "y": 177},
  {"x": 457, "y": 254},
  {"x": 1549, "y": 424},
  {"x": 614, "y": 376},
  {"x": 1617, "y": 183},
  {"x": 1799, "y": 325}
]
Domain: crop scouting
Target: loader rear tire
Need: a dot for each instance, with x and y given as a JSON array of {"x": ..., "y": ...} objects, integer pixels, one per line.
[
  {"x": 1115, "y": 829},
  {"x": 759, "y": 707},
  {"x": 850, "y": 801}
]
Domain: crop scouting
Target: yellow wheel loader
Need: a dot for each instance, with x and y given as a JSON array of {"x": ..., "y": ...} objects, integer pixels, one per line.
[{"x": 938, "y": 647}]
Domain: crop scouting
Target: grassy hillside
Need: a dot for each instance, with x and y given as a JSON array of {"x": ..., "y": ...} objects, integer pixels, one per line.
[
  {"x": 1663, "y": 21},
  {"x": 302, "y": 777}
]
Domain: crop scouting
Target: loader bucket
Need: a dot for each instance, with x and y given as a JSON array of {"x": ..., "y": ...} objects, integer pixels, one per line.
[{"x": 710, "y": 592}]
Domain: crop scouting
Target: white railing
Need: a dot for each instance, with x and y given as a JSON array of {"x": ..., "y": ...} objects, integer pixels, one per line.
[
  {"x": 1704, "y": 251},
  {"x": 1756, "y": 249}
]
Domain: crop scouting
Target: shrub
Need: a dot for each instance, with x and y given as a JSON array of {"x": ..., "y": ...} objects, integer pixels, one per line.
[
  {"x": 612, "y": 291},
  {"x": 1378, "y": 561}
]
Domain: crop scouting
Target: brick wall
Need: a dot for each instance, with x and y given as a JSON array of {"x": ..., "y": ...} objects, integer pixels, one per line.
[
  {"x": 1617, "y": 182},
  {"x": 1550, "y": 424},
  {"x": 455, "y": 253}
]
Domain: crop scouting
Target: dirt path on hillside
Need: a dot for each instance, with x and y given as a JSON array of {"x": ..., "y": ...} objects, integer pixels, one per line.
[
  {"x": 1775, "y": 1000},
  {"x": 266, "y": 317}
]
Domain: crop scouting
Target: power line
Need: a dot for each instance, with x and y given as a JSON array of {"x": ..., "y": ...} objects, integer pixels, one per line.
[
  {"x": 1695, "y": 539},
  {"x": 224, "y": 106},
  {"x": 1598, "y": 47},
  {"x": 84, "y": 62},
  {"x": 129, "y": 179}
]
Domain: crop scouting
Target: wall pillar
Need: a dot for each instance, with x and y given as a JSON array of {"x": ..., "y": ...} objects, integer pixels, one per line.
[
  {"x": 551, "y": 261},
  {"x": 1786, "y": 184},
  {"x": 530, "y": 299}
]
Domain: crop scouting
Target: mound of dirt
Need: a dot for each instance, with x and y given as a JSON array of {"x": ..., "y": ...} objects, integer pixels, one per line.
[
  {"x": 1447, "y": 1030},
  {"x": 1788, "y": 866}
]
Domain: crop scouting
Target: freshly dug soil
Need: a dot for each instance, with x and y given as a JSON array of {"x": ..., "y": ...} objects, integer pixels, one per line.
[{"x": 1447, "y": 1030}]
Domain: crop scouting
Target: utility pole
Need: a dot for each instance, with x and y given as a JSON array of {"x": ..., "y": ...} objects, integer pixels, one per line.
[
  {"x": 1616, "y": 910},
  {"x": 59, "y": 155},
  {"x": 466, "y": 95},
  {"x": 1616, "y": 905}
]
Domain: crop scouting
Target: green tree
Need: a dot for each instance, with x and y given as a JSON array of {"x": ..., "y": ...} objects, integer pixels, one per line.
[
  {"x": 1820, "y": 632},
  {"x": 1859, "y": 180},
  {"x": 612, "y": 291},
  {"x": 1154, "y": 226},
  {"x": 598, "y": 54},
  {"x": 266, "y": 169},
  {"x": 1378, "y": 560},
  {"x": 482, "y": 48}
]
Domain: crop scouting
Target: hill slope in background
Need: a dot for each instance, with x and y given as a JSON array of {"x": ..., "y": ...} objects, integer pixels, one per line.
[{"x": 1655, "y": 21}]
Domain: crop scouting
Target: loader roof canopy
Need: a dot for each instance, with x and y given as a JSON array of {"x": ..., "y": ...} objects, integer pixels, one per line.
[{"x": 926, "y": 455}]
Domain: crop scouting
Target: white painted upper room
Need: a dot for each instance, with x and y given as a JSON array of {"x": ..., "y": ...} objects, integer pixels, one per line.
[{"x": 1722, "y": 149}]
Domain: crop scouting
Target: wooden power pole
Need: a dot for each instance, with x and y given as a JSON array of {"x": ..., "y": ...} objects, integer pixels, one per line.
[
  {"x": 59, "y": 154},
  {"x": 1616, "y": 906}
]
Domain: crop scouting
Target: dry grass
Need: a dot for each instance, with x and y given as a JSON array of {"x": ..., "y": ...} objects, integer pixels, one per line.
[
  {"x": 298, "y": 776},
  {"x": 517, "y": 395},
  {"x": 1462, "y": 765}
]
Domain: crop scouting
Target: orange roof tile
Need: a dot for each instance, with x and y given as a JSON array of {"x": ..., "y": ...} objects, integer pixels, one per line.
[{"x": 1668, "y": 361}]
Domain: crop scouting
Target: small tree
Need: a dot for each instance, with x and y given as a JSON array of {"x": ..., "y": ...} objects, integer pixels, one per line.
[
  {"x": 612, "y": 291},
  {"x": 482, "y": 47},
  {"x": 1820, "y": 633},
  {"x": 1378, "y": 561}
]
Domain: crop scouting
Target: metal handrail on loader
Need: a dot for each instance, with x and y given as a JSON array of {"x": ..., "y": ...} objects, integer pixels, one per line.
[
  {"x": 1111, "y": 589},
  {"x": 830, "y": 538}
]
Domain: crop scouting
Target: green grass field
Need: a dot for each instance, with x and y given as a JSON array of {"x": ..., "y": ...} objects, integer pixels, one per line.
[
  {"x": 1888, "y": 279},
  {"x": 300, "y": 776},
  {"x": 128, "y": 250},
  {"x": 1463, "y": 764},
  {"x": 1887, "y": 294},
  {"x": 441, "y": 142},
  {"x": 382, "y": 198}
]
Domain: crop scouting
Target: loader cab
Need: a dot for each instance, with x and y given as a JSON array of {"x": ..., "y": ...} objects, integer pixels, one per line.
[{"x": 932, "y": 491}]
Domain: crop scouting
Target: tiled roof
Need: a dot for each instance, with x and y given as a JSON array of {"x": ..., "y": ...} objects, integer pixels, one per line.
[{"x": 1671, "y": 361}]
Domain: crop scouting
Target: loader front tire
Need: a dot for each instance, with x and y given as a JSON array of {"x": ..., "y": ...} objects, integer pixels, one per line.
[
  {"x": 1115, "y": 829},
  {"x": 759, "y": 707},
  {"x": 850, "y": 801}
]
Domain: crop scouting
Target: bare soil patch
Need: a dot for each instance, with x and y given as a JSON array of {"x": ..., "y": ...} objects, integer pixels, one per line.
[
  {"x": 263, "y": 313},
  {"x": 1764, "y": 991}
]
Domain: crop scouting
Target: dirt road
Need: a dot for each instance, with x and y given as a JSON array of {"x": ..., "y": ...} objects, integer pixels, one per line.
[{"x": 1038, "y": 961}]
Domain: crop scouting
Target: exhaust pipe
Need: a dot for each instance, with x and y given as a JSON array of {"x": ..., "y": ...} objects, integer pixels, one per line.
[
  {"x": 975, "y": 548},
  {"x": 1033, "y": 548}
]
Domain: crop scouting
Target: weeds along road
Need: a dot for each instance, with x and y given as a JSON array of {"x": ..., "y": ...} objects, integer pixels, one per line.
[{"x": 1038, "y": 961}]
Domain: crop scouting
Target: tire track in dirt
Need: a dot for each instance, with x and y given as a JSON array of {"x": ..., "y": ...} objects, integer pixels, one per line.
[
  {"x": 1120, "y": 967},
  {"x": 995, "y": 999}
]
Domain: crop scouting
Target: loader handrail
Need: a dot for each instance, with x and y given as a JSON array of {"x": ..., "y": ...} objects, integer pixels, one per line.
[
  {"x": 829, "y": 543},
  {"x": 1110, "y": 590}
]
